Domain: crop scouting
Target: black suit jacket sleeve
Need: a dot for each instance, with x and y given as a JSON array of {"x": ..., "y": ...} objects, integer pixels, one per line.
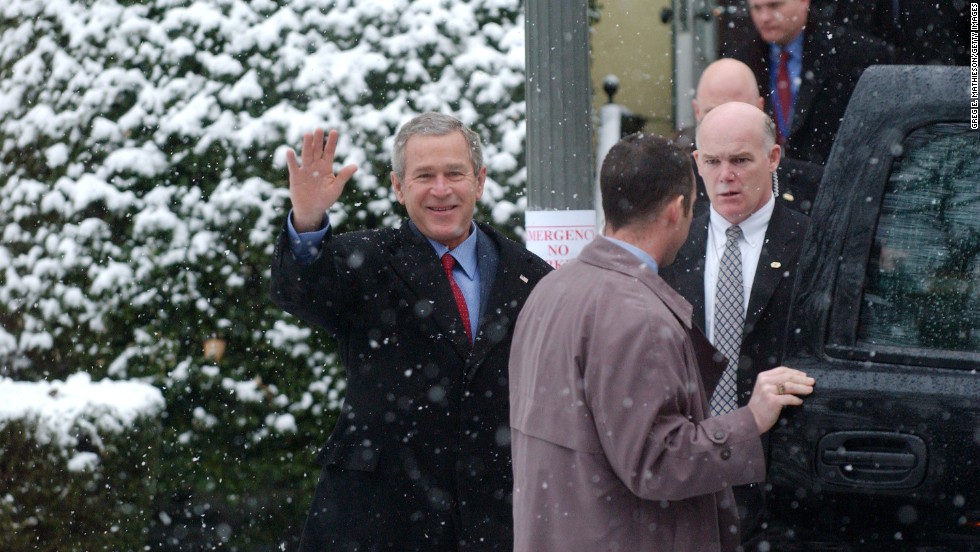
[{"x": 316, "y": 292}]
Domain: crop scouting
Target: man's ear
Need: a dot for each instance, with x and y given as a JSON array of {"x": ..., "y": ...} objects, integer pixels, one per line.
[
  {"x": 675, "y": 210},
  {"x": 697, "y": 110},
  {"x": 397, "y": 186},
  {"x": 775, "y": 154},
  {"x": 481, "y": 178}
]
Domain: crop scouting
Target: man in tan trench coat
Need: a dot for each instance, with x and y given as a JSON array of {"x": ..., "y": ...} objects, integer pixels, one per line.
[{"x": 613, "y": 449}]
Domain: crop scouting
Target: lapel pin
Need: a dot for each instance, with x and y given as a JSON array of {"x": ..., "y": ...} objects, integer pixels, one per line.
[
  {"x": 775, "y": 264},
  {"x": 524, "y": 278}
]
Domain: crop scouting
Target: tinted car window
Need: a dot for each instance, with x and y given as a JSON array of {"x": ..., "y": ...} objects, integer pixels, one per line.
[{"x": 923, "y": 285}]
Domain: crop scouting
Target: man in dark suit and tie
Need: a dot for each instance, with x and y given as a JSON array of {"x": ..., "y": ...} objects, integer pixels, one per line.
[
  {"x": 423, "y": 316},
  {"x": 807, "y": 70},
  {"x": 738, "y": 264}
]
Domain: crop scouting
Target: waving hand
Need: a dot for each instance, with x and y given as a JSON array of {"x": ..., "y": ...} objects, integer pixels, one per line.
[{"x": 313, "y": 186}]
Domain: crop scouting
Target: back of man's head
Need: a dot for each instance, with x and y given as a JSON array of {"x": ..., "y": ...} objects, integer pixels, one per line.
[
  {"x": 725, "y": 80},
  {"x": 639, "y": 175}
]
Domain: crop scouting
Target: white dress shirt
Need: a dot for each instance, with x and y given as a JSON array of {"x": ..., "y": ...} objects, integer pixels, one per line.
[{"x": 753, "y": 236}]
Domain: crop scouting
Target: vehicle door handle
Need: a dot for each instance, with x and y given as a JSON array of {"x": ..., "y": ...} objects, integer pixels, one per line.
[
  {"x": 869, "y": 460},
  {"x": 872, "y": 459}
]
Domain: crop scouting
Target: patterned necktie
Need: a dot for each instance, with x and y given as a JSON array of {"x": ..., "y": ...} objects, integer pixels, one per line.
[
  {"x": 729, "y": 321},
  {"x": 784, "y": 93},
  {"x": 448, "y": 262}
]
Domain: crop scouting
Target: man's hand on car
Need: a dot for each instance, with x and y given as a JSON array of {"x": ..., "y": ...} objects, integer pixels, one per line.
[{"x": 774, "y": 389}]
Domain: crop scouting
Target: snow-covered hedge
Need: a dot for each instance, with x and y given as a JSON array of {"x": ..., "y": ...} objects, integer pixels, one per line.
[
  {"x": 78, "y": 463},
  {"x": 142, "y": 184}
]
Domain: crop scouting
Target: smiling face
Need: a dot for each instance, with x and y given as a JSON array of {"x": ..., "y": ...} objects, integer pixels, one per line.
[
  {"x": 736, "y": 160},
  {"x": 440, "y": 188},
  {"x": 779, "y": 21}
]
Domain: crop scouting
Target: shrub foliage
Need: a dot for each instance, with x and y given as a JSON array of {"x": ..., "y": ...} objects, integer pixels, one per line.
[
  {"x": 79, "y": 463},
  {"x": 142, "y": 185}
]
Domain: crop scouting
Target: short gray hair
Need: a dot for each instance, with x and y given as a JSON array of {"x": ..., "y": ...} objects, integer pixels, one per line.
[
  {"x": 769, "y": 135},
  {"x": 434, "y": 124}
]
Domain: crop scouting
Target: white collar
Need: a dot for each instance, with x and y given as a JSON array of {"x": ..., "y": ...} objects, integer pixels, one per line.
[{"x": 753, "y": 228}]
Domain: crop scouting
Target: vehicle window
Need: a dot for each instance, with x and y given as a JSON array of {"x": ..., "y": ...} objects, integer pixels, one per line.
[{"x": 923, "y": 284}]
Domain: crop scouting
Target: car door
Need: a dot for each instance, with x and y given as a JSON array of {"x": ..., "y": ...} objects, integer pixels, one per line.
[{"x": 885, "y": 455}]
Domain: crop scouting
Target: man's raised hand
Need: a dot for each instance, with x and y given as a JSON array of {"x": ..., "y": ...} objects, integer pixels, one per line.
[{"x": 313, "y": 186}]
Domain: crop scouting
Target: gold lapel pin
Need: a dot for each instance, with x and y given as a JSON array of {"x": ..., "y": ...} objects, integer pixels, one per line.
[{"x": 775, "y": 264}]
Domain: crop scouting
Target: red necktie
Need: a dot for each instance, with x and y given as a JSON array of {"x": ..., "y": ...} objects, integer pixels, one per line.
[
  {"x": 784, "y": 92},
  {"x": 448, "y": 262}
]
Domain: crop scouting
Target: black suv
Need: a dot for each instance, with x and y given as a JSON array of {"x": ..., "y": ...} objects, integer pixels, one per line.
[{"x": 885, "y": 455}]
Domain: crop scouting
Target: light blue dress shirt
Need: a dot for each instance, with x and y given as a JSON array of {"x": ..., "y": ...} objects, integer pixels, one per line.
[
  {"x": 649, "y": 261},
  {"x": 795, "y": 67},
  {"x": 306, "y": 246}
]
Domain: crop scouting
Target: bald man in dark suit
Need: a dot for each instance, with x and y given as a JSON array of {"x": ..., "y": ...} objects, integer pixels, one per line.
[{"x": 738, "y": 264}]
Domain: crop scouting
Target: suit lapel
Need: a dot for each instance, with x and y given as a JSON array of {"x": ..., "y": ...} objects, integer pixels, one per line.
[
  {"x": 758, "y": 60},
  {"x": 711, "y": 363},
  {"x": 756, "y": 56},
  {"x": 505, "y": 285},
  {"x": 415, "y": 263},
  {"x": 487, "y": 260},
  {"x": 817, "y": 63},
  {"x": 688, "y": 268},
  {"x": 774, "y": 261}
]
